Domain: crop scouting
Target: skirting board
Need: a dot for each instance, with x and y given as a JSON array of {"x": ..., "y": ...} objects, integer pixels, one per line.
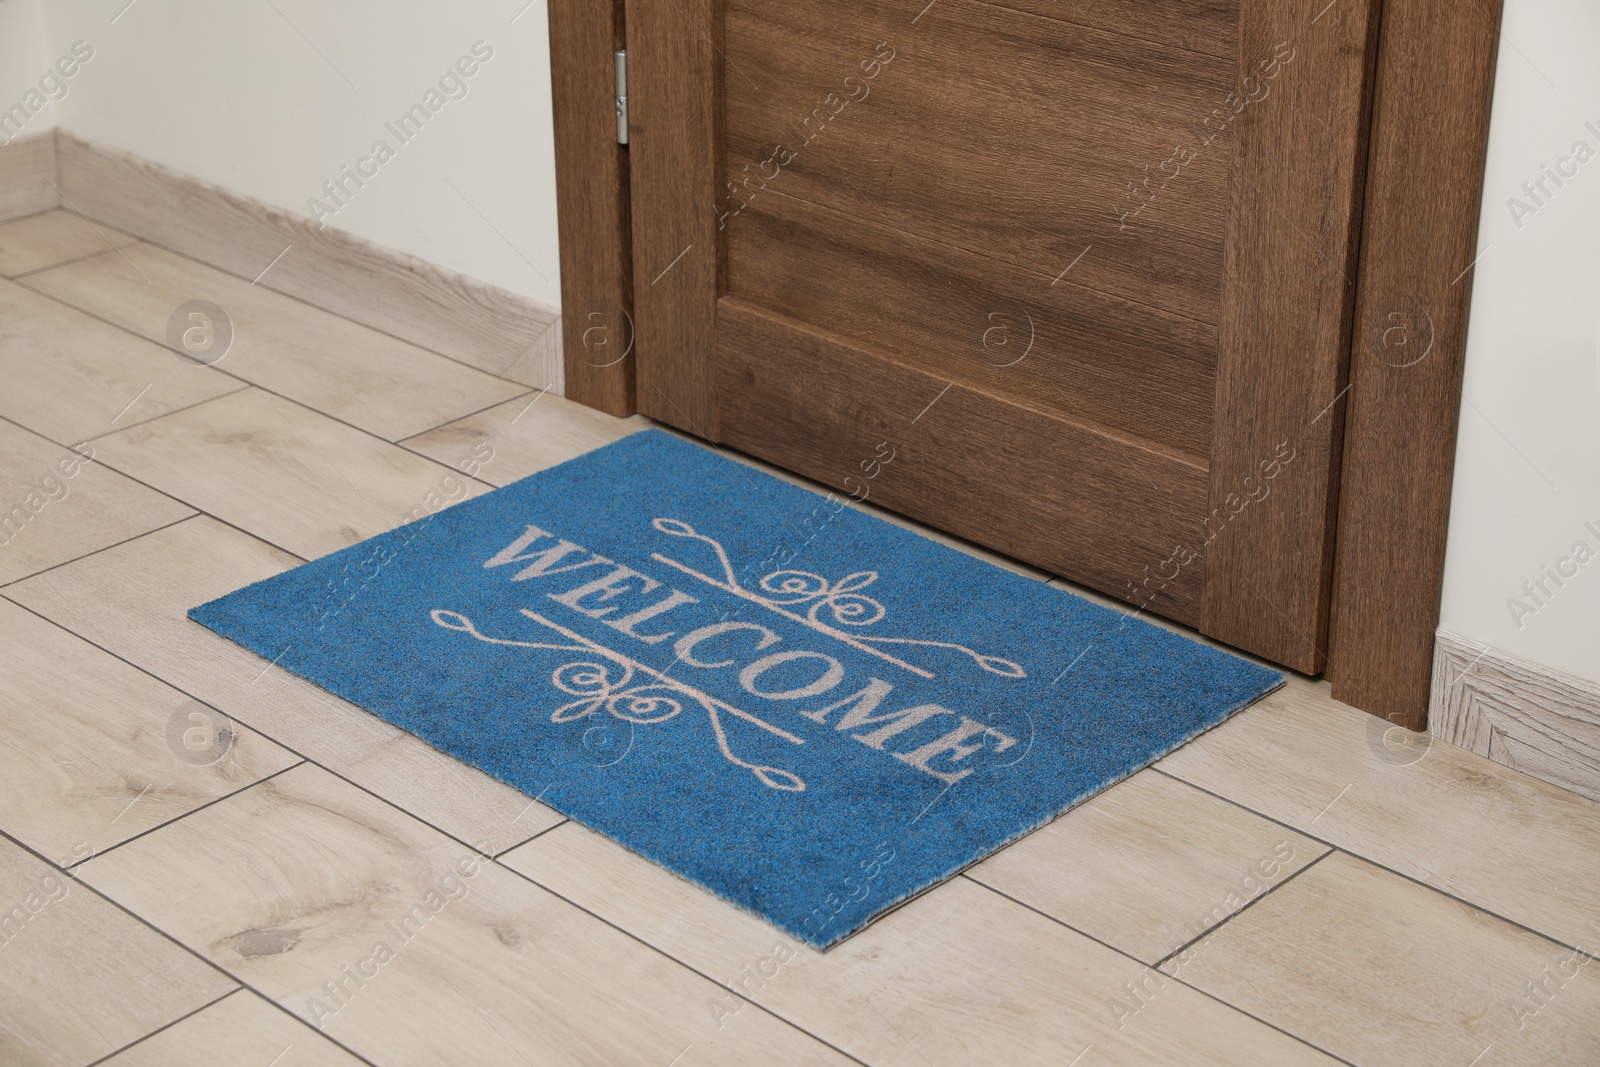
[
  {"x": 473, "y": 322},
  {"x": 1542, "y": 722},
  {"x": 27, "y": 169}
]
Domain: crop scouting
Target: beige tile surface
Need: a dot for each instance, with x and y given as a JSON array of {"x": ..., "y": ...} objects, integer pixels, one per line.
[
  {"x": 1511, "y": 844},
  {"x": 366, "y": 378},
  {"x": 515, "y": 439},
  {"x": 133, "y": 599},
  {"x": 240, "y": 1029},
  {"x": 1148, "y": 865},
  {"x": 95, "y": 751},
  {"x": 283, "y": 472},
  {"x": 40, "y": 241},
  {"x": 291, "y": 882},
  {"x": 1379, "y": 970},
  {"x": 960, "y": 975},
  {"x": 55, "y": 506},
  {"x": 80, "y": 978},
  {"x": 70, "y": 377}
]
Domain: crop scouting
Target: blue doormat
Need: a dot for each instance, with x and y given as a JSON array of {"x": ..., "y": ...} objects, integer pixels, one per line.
[{"x": 808, "y": 711}]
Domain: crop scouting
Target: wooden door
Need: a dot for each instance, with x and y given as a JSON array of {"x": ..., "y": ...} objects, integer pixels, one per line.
[{"x": 1082, "y": 269}]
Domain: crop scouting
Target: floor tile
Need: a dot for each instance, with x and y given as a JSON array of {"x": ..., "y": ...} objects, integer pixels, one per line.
[
  {"x": 1148, "y": 865},
  {"x": 240, "y": 1029},
  {"x": 356, "y": 374},
  {"x": 961, "y": 975},
  {"x": 132, "y": 600},
  {"x": 94, "y": 751},
  {"x": 40, "y": 241},
  {"x": 284, "y": 472},
  {"x": 529, "y": 434},
  {"x": 57, "y": 504},
  {"x": 80, "y": 978},
  {"x": 71, "y": 377},
  {"x": 1508, "y": 843},
  {"x": 1379, "y": 970},
  {"x": 406, "y": 947}
]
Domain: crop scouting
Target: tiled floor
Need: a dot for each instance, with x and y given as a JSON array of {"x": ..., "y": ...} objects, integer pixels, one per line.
[{"x": 1285, "y": 890}]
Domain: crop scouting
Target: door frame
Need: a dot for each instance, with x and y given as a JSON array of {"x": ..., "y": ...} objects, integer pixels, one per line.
[{"x": 1431, "y": 82}]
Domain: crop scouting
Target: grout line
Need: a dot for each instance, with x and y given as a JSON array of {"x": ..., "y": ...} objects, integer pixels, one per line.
[
  {"x": 164, "y": 1026},
  {"x": 337, "y": 314},
  {"x": 1156, "y": 970},
  {"x": 103, "y": 463},
  {"x": 1351, "y": 852},
  {"x": 246, "y": 383},
  {"x": 152, "y": 418},
  {"x": 8, "y": 220},
  {"x": 63, "y": 263},
  {"x": 147, "y": 924},
  {"x": 184, "y": 815},
  {"x": 197, "y": 510},
  {"x": 693, "y": 970},
  {"x": 555, "y": 826},
  {"x": 1226, "y": 919},
  {"x": 401, "y": 441},
  {"x": 94, "y": 552}
]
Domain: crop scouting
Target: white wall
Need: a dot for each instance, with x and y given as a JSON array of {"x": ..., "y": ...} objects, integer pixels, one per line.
[
  {"x": 23, "y": 61},
  {"x": 1528, "y": 463},
  {"x": 271, "y": 97}
]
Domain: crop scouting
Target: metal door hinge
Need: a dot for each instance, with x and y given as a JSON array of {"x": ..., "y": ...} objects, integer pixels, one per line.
[{"x": 622, "y": 96}]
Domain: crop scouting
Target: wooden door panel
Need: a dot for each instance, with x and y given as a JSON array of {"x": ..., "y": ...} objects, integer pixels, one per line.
[
  {"x": 1037, "y": 487},
  {"x": 1208, "y": 26},
  {"x": 999, "y": 132},
  {"x": 1285, "y": 336},
  {"x": 811, "y": 311},
  {"x": 1060, "y": 349}
]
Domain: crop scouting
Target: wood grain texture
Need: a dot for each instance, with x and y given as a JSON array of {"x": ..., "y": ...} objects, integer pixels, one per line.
[
  {"x": 476, "y": 323},
  {"x": 1208, "y": 26},
  {"x": 27, "y": 168},
  {"x": 292, "y": 883},
  {"x": 524, "y": 436},
  {"x": 287, "y": 474},
  {"x": 675, "y": 157},
  {"x": 1434, "y": 84},
  {"x": 241, "y": 1028},
  {"x": 1083, "y": 504},
  {"x": 1288, "y": 291},
  {"x": 70, "y": 377},
  {"x": 302, "y": 352},
  {"x": 83, "y": 978},
  {"x": 993, "y": 130},
  {"x": 95, "y": 757},
  {"x": 592, "y": 206},
  {"x": 59, "y": 503},
  {"x": 133, "y": 601},
  {"x": 1499, "y": 840},
  {"x": 1540, "y": 721},
  {"x": 1147, "y": 866},
  {"x": 955, "y": 977},
  {"x": 1001, "y": 329},
  {"x": 53, "y": 237},
  {"x": 1378, "y": 970}
]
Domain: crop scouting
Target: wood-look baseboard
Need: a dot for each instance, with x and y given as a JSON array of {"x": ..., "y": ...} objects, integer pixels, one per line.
[
  {"x": 27, "y": 169},
  {"x": 471, "y": 321},
  {"x": 1530, "y": 717}
]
